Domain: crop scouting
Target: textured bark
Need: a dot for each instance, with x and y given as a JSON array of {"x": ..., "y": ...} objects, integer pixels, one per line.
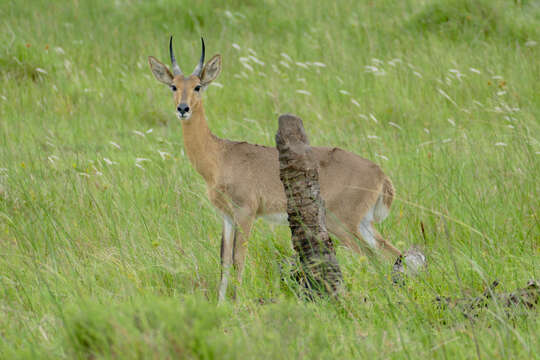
[{"x": 299, "y": 173}]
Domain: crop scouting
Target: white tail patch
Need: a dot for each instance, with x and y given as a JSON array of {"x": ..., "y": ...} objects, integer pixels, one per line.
[
  {"x": 380, "y": 210},
  {"x": 365, "y": 229}
]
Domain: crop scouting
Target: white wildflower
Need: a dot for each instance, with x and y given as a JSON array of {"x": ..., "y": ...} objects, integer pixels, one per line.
[
  {"x": 3, "y": 97},
  {"x": 381, "y": 156},
  {"x": 284, "y": 64},
  {"x": 375, "y": 70},
  {"x": 446, "y": 140},
  {"x": 164, "y": 155},
  {"x": 108, "y": 161},
  {"x": 53, "y": 158},
  {"x": 451, "y": 121},
  {"x": 426, "y": 143},
  {"x": 318, "y": 64},
  {"x": 286, "y": 57},
  {"x": 304, "y": 92},
  {"x": 252, "y": 52},
  {"x": 395, "y": 125},
  {"x": 501, "y": 93},
  {"x": 373, "y": 137},
  {"x": 139, "y": 160},
  {"x": 362, "y": 116},
  {"x": 114, "y": 144},
  {"x": 394, "y": 61},
  {"x": 372, "y": 117},
  {"x": 40, "y": 70},
  {"x": 344, "y": 92},
  {"x": 236, "y": 46},
  {"x": 216, "y": 84},
  {"x": 137, "y": 132},
  {"x": 478, "y": 103},
  {"x": 149, "y": 131},
  {"x": 500, "y": 144},
  {"x": 59, "y": 50},
  {"x": 416, "y": 73},
  {"x": 426, "y": 130},
  {"x": 256, "y": 61},
  {"x": 441, "y": 91},
  {"x": 531, "y": 43},
  {"x": 247, "y": 66},
  {"x": 457, "y": 74},
  {"x": 301, "y": 64},
  {"x": 355, "y": 102},
  {"x": 476, "y": 71},
  {"x": 370, "y": 68},
  {"x": 497, "y": 77},
  {"x": 83, "y": 174},
  {"x": 139, "y": 166}
]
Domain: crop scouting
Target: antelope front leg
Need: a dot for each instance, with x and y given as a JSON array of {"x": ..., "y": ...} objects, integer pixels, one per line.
[
  {"x": 243, "y": 230},
  {"x": 227, "y": 243}
]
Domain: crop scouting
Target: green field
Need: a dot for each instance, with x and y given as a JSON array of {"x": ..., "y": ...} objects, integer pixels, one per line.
[{"x": 109, "y": 247}]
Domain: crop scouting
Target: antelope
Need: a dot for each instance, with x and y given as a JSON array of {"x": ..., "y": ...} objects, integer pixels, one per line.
[{"x": 243, "y": 181}]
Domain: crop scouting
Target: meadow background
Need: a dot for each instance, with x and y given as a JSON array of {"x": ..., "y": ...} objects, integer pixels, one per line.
[{"x": 110, "y": 249}]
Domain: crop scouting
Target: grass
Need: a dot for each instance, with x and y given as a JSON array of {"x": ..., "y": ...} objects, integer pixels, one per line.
[{"x": 105, "y": 259}]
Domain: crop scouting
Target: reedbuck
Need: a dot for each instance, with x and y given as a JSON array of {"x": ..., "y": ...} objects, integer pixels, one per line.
[{"x": 243, "y": 179}]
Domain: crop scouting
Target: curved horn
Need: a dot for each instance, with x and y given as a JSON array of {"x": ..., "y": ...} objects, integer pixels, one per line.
[
  {"x": 175, "y": 68},
  {"x": 200, "y": 65}
]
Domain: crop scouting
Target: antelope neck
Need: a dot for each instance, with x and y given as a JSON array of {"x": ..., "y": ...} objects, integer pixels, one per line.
[{"x": 202, "y": 147}]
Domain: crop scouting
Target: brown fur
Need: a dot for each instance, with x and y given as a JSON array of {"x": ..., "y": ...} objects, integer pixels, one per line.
[{"x": 243, "y": 179}]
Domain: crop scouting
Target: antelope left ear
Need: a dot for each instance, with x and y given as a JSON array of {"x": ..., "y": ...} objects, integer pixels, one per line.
[
  {"x": 211, "y": 71},
  {"x": 160, "y": 71}
]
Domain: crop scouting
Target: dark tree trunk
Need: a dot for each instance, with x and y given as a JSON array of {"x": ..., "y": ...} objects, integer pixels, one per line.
[{"x": 299, "y": 173}]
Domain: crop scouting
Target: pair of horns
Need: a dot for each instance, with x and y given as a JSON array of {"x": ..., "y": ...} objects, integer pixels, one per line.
[{"x": 176, "y": 69}]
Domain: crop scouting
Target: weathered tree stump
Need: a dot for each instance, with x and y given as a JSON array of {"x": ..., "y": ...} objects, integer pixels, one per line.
[
  {"x": 527, "y": 297},
  {"x": 299, "y": 173}
]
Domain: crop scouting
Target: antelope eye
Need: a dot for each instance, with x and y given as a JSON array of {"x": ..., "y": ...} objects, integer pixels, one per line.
[
  {"x": 173, "y": 88},
  {"x": 197, "y": 88}
]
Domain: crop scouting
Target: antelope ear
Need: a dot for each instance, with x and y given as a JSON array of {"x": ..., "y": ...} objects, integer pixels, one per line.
[
  {"x": 160, "y": 71},
  {"x": 211, "y": 71}
]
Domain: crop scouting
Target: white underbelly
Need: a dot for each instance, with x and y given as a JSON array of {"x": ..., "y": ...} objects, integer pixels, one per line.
[{"x": 276, "y": 218}]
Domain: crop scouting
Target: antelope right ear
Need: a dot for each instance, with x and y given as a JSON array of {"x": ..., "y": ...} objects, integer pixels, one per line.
[
  {"x": 160, "y": 71},
  {"x": 211, "y": 70}
]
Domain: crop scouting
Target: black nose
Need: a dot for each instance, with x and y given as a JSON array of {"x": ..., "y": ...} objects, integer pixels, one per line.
[{"x": 183, "y": 108}]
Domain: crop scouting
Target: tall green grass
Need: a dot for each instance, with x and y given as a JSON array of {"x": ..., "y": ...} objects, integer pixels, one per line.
[{"x": 110, "y": 248}]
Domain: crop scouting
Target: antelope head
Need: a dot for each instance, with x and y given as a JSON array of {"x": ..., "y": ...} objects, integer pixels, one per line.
[{"x": 187, "y": 89}]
